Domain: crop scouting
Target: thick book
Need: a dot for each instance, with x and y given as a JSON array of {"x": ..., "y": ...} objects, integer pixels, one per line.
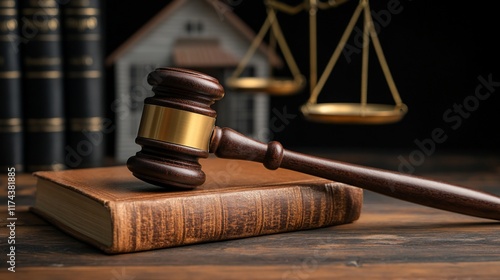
[
  {"x": 43, "y": 103},
  {"x": 11, "y": 130},
  {"x": 112, "y": 210},
  {"x": 82, "y": 29}
]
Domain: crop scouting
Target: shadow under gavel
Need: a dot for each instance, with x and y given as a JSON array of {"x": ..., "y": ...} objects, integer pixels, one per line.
[{"x": 178, "y": 127}]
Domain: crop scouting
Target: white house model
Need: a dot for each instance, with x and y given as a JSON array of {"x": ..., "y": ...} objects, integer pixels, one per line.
[{"x": 203, "y": 35}]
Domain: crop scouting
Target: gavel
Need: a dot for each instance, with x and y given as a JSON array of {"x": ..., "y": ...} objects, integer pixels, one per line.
[{"x": 178, "y": 128}]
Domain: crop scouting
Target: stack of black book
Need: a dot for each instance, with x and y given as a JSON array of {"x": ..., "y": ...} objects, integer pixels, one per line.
[{"x": 51, "y": 83}]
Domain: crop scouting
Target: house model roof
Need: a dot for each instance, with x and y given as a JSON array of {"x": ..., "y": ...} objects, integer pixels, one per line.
[{"x": 171, "y": 8}]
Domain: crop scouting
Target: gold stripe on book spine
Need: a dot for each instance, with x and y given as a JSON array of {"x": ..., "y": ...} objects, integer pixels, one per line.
[
  {"x": 10, "y": 74},
  {"x": 84, "y": 74},
  {"x": 8, "y": 12},
  {"x": 47, "y": 37},
  {"x": 8, "y": 3},
  {"x": 86, "y": 124},
  {"x": 44, "y": 74},
  {"x": 11, "y": 121},
  {"x": 83, "y": 37},
  {"x": 81, "y": 11},
  {"x": 40, "y": 12},
  {"x": 176, "y": 126},
  {"x": 13, "y": 125},
  {"x": 11, "y": 129},
  {"x": 45, "y": 125}
]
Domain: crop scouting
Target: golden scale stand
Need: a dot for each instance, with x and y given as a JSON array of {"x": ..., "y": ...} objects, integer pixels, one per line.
[{"x": 353, "y": 113}]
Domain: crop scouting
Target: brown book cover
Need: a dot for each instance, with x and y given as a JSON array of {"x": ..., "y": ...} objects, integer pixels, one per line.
[{"x": 109, "y": 208}]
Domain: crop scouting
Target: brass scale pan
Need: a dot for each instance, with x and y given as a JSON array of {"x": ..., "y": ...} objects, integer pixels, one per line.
[{"x": 354, "y": 113}]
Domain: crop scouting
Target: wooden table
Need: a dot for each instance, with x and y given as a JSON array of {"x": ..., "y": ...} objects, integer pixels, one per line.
[{"x": 392, "y": 239}]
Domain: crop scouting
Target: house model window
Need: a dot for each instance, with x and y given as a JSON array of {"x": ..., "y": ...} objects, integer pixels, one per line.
[{"x": 194, "y": 27}]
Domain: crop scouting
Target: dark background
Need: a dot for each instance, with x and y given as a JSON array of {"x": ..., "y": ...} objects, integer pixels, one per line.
[{"x": 436, "y": 51}]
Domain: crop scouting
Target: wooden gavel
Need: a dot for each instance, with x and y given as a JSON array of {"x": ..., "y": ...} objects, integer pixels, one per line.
[{"x": 178, "y": 127}]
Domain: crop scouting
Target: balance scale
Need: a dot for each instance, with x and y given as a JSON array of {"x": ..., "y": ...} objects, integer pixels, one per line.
[{"x": 351, "y": 113}]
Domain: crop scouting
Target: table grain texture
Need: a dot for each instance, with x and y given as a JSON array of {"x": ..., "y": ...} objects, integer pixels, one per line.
[{"x": 392, "y": 240}]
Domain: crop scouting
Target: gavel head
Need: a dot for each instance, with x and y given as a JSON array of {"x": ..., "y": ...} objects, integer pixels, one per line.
[{"x": 176, "y": 128}]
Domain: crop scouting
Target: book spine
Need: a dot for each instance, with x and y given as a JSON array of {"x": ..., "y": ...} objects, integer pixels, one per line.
[
  {"x": 84, "y": 90},
  {"x": 42, "y": 85},
  {"x": 11, "y": 130},
  {"x": 146, "y": 225}
]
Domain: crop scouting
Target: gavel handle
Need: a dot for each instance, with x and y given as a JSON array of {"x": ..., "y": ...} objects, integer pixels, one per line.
[{"x": 227, "y": 143}]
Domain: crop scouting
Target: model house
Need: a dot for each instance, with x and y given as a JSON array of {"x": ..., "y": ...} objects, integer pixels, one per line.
[{"x": 203, "y": 35}]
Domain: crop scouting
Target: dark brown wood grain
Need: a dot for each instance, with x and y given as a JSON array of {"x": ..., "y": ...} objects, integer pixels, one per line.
[
  {"x": 307, "y": 270},
  {"x": 227, "y": 143},
  {"x": 185, "y": 90}
]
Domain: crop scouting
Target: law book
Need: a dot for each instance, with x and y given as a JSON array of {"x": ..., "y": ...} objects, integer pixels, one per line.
[
  {"x": 43, "y": 103},
  {"x": 109, "y": 208},
  {"x": 11, "y": 130},
  {"x": 82, "y": 29}
]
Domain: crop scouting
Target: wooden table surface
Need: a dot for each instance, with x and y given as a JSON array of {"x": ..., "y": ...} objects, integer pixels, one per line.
[{"x": 392, "y": 239}]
